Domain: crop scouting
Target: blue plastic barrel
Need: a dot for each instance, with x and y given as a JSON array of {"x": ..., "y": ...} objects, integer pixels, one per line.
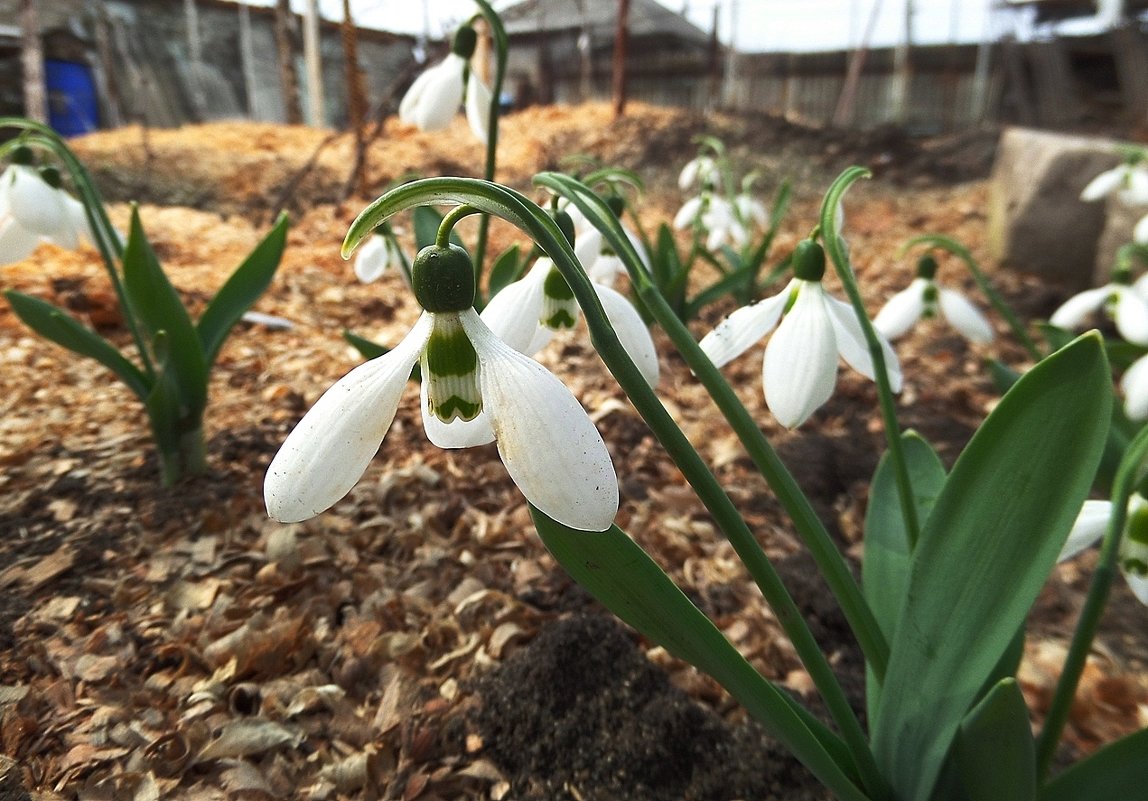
[{"x": 73, "y": 107}]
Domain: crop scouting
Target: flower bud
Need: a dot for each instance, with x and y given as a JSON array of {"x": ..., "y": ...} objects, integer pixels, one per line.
[
  {"x": 23, "y": 156},
  {"x": 927, "y": 267},
  {"x": 808, "y": 260},
  {"x": 465, "y": 40},
  {"x": 565, "y": 224},
  {"x": 443, "y": 278}
]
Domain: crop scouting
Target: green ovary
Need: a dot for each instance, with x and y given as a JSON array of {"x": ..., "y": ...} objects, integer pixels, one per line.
[{"x": 450, "y": 368}]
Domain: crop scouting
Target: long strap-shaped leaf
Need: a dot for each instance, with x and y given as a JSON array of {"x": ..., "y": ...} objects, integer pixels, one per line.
[
  {"x": 630, "y": 584},
  {"x": 1117, "y": 772},
  {"x": 155, "y": 302},
  {"x": 242, "y": 289},
  {"x": 988, "y": 546},
  {"x": 53, "y": 324}
]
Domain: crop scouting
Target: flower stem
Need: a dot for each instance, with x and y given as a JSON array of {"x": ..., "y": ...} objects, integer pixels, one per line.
[
  {"x": 1127, "y": 477},
  {"x": 704, "y": 483},
  {"x": 501, "y": 48},
  {"x": 998, "y": 303},
  {"x": 836, "y": 250}
]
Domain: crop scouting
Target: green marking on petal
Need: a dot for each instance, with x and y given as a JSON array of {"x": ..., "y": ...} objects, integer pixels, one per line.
[
  {"x": 450, "y": 370},
  {"x": 1137, "y": 526},
  {"x": 1137, "y": 567},
  {"x": 448, "y": 351},
  {"x": 561, "y": 318},
  {"x": 556, "y": 286},
  {"x": 559, "y": 309}
]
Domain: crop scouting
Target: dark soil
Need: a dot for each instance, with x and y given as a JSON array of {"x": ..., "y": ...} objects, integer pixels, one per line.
[{"x": 581, "y": 707}]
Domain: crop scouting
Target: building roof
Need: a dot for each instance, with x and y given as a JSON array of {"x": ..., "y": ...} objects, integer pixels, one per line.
[
  {"x": 1056, "y": 10},
  {"x": 599, "y": 18}
]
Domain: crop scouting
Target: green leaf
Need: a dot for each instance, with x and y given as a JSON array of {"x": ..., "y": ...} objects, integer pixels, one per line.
[
  {"x": 885, "y": 568},
  {"x": 155, "y": 302},
  {"x": 629, "y": 583},
  {"x": 1117, "y": 772},
  {"x": 243, "y": 288},
  {"x": 507, "y": 269},
  {"x": 996, "y": 756},
  {"x": 55, "y": 325},
  {"x": 984, "y": 553}
]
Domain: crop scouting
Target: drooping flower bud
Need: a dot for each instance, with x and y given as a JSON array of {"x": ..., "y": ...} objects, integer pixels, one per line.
[
  {"x": 443, "y": 278},
  {"x": 808, "y": 260}
]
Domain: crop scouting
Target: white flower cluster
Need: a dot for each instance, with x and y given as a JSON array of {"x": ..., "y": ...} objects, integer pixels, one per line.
[
  {"x": 32, "y": 211},
  {"x": 1129, "y": 183}
]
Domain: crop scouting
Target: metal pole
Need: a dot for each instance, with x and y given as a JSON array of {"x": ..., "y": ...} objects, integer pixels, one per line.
[
  {"x": 32, "y": 62},
  {"x": 316, "y": 115}
]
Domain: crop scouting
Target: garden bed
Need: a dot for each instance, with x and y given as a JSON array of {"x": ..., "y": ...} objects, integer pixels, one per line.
[{"x": 417, "y": 641}]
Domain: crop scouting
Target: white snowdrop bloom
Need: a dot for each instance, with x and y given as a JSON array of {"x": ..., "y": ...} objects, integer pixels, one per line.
[
  {"x": 526, "y": 314},
  {"x": 1134, "y": 385},
  {"x": 433, "y": 100},
  {"x": 1140, "y": 231},
  {"x": 34, "y": 209},
  {"x": 1129, "y": 182},
  {"x": 924, "y": 298},
  {"x": 600, "y": 261},
  {"x": 475, "y": 389},
  {"x": 799, "y": 371},
  {"x": 716, "y": 216},
  {"x": 702, "y": 170},
  {"x": 751, "y": 210},
  {"x": 374, "y": 257},
  {"x": 1092, "y": 524},
  {"x": 1120, "y": 301}
]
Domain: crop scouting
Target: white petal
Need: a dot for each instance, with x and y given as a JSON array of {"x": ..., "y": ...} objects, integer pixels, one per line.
[
  {"x": 854, "y": 349},
  {"x": 1074, "y": 312},
  {"x": 16, "y": 242},
  {"x": 964, "y": 316},
  {"x": 1134, "y": 385},
  {"x": 478, "y": 99},
  {"x": 457, "y": 433},
  {"x": 79, "y": 219},
  {"x": 371, "y": 260},
  {"x": 735, "y": 334},
  {"x": 1140, "y": 232},
  {"x": 752, "y": 210},
  {"x": 547, "y": 442},
  {"x": 640, "y": 247},
  {"x": 1131, "y": 316},
  {"x": 1104, "y": 184},
  {"x": 37, "y": 206},
  {"x": 689, "y": 174},
  {"x": 413, "y": 96},
  {"x": 440, "y": 96},
  {"x": 1134, "y": 191},
  {"x": 588, "y": 247},
  {"x": 688, "y": 213},
  {"x": 606, "y": 269},
  {"x": 1138, "y": 585},
  {"x": 513, "y": 313},
  {"x": 1090, "y": 525},
  {"x": 800, "y": 368},
  {"x": 632, "y": 332},
  {"x": 902, "y": 310},
  {"x": 326, "y": 454}
]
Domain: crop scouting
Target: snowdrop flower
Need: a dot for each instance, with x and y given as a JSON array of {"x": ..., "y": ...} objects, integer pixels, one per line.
[
  {"x": 716, "y": 216},
  {"x": 379, "y": 252},
  {"x": 475, "y": 389},
  {"x": 1134, "y": 385},
  {"x": 923, "y": 298},
  {"x": 434, "y": 97},
  {"x": 701, "y": 170},
  {"x": 34, "y": 209},
  {"x": 1092, "y": 524},
  {"x": 526, "y": 314},
  {"x": 750, "y": 210},
  {"x": 1128, "y": 181},
  {"x": 800, "y": 366},
  {"x": 1119, "y": 300},
  {"x": 1140, "y": 231},
  {"x": 594, "y": 253}
]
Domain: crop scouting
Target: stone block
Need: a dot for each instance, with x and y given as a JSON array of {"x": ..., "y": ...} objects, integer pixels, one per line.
[{"x": 1037, "y": 221}]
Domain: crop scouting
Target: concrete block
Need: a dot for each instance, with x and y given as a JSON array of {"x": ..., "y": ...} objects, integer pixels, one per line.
[{"x": 1037, "y": 221}]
